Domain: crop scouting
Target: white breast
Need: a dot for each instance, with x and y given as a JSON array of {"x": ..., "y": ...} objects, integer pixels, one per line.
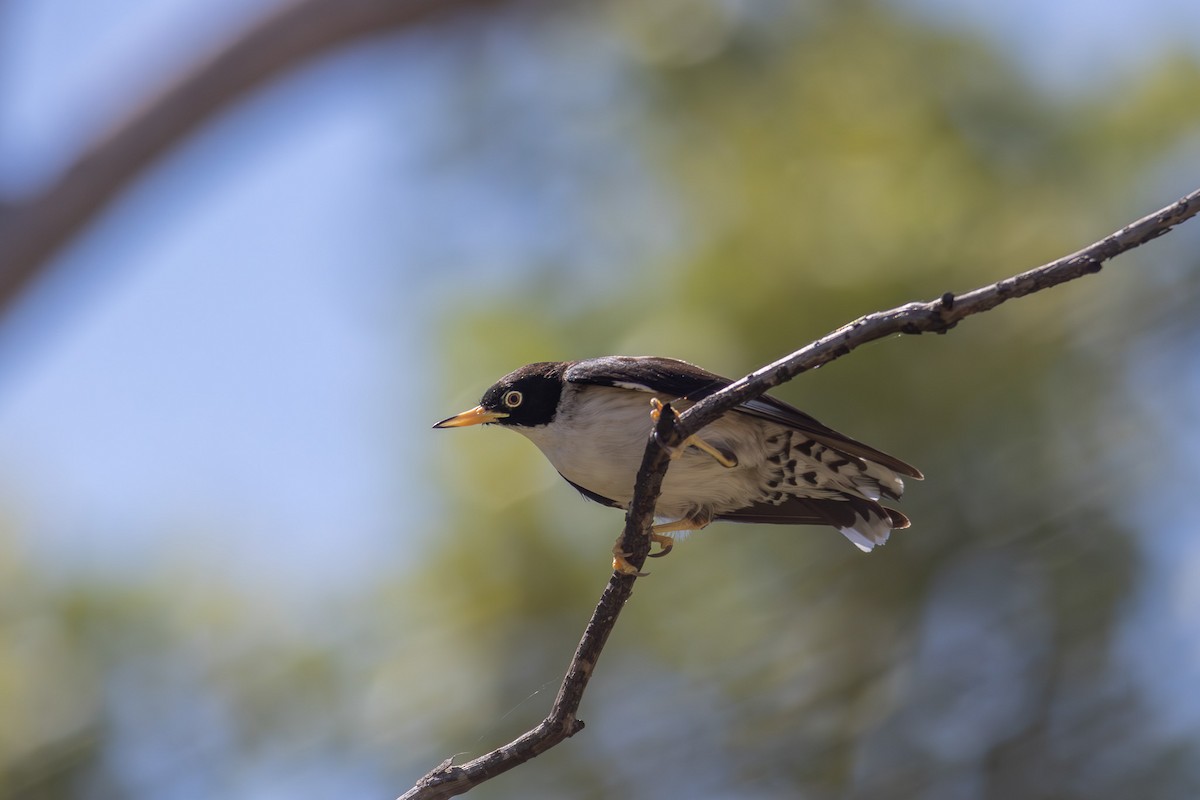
[{"x": 600, "y": 433}]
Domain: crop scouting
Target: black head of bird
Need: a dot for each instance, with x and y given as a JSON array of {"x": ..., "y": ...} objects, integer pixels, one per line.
[{"x": 765, "y": 461}]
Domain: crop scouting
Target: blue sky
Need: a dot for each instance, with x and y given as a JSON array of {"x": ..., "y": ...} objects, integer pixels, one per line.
[{"x": 210, "y": 356}]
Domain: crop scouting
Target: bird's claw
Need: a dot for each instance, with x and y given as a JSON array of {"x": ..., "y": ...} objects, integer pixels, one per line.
[
  {"x": 665, "y": 543},
  {"x": 621, "y": 558},
  {"x": 621, "y": 565},
  {"x": 727, "y": 460}
]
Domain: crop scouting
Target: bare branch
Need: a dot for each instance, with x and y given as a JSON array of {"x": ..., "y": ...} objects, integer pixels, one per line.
[
  {"x": 33, "y": 230},
  {"x": 936, "y": 316},
  {"x": 447, "y": 780}
]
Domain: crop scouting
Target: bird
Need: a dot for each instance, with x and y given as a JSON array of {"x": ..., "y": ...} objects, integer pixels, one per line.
[{"x": 763, "y": 462}]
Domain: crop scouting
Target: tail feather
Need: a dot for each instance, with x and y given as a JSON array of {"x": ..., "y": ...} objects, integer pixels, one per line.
[{"x": 864, "y": 522}]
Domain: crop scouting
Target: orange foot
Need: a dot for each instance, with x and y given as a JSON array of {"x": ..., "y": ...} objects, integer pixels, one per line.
[
  {"x": 622, "y": 565},
  {"x": 657, "y": 536}
]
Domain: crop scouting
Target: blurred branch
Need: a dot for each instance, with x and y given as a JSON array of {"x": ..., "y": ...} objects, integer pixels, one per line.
[
  {"x": 935, "y": 316},
  {"x": 32, "y": 231}
]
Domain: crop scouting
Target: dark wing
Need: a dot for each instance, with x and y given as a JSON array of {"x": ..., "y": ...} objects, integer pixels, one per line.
[
  {"x": 681, "y": 379},
  {"x": 647, "y": 374},
  {"x": 841, "y": 513}
]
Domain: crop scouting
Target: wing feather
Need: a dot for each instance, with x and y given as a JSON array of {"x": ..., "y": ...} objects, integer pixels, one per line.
[{"x": 681, "y": 379}]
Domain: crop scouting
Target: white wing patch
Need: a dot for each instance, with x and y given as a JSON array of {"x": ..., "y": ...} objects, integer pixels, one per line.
[{"x": 637, "y": 387}]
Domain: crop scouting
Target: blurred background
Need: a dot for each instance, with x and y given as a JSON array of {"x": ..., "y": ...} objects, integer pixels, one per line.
[{"x": 236, "y": 561}]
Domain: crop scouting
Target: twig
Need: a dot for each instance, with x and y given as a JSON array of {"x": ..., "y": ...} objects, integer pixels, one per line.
[{"x": 936, "y": 316}]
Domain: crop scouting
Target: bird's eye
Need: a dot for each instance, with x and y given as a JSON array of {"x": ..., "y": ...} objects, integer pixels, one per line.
[{"x": 513, "y": 399}]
